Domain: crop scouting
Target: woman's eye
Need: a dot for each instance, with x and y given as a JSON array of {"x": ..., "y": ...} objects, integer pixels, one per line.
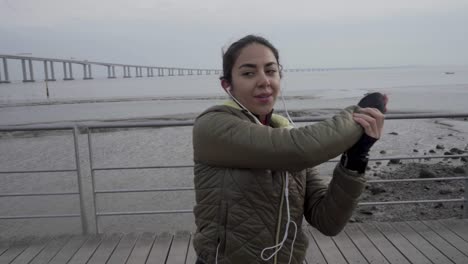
[
  {"x": 248, "y": 74},
  {"x": 271, "y": 72}
]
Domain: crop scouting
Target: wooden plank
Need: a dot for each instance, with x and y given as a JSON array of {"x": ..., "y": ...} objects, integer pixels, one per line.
[
  {"x": 86, "y": 250},
  {"x": 328, "y": 248},
  {"x": 105, "y": 249},
  {"x": 124, "y": 248},
  {"x": 367, "y": 248},
  {"x": 402, "y": 244},
  {"x": 33, "y": 250},
  {"x": 385, "y": 247},
  {"x": 160, "y": 249},
  {"x": 51, "y": 249},
  {"x": 13, "y": 252},
  {"x": 443, "y": 246},
  {"x": 448, "y": 235},
  {"x": 191, "y": 255},
  {"x": 348, "y": 249},
  {"x": 459, "y": 227},
  {"x": 67, "y": 252},
  {"x": 142, "y": 249},
  {"x": 179, "y": 248},
  {"x": 421, "y": 244},
  {"x": 313, "y": 253}
]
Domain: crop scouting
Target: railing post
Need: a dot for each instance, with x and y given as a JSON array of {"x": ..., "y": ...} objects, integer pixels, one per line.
[{"x": 85, "y": 187}]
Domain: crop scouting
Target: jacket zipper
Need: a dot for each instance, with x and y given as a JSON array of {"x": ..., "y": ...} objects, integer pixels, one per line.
[{"x": 280, "y": 214}]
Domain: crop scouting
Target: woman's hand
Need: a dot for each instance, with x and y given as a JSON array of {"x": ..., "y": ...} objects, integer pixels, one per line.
[{"x": 372, "y": 120}]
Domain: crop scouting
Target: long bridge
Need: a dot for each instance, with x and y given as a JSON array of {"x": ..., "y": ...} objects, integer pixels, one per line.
[{"x": 28, "y": 71}]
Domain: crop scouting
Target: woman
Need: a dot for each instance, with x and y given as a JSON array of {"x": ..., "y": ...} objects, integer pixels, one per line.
[{"x": 254, "y": 175}]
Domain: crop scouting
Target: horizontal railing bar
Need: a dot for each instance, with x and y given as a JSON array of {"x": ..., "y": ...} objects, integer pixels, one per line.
[
  {"x": 299, "y": 119},
  {"x": 392, "y": 116},
  {"x": 146, "y": 212},
  {"x": 413, "y": 157},
  {"x": 420, "y": 179},
  {"x": 126, "y": 124},
  {"x": 36, "y": 171},
  {"x": 412, "y": 202},
  {"x": 143, "y": 167},
  {"x": 421, "y": 157},
  {"x": 146, "y": 190},
  {"x": 193, "y": 188},
  {"x": 37, "y": 194},
  {"x": 360, "y": 204},
  {"x": 39, "y": 216},
  {"x": 157, "y": 124},
  {"x": 35, "y": 128},
  {"x": 333, "y": 160}
]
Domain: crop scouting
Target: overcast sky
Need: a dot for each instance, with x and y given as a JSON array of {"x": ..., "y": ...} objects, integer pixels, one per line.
[{"x": 308, "y": 33}]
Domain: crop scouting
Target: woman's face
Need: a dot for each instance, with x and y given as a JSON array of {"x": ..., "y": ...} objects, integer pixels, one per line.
[{"x": 256, "y": 79}]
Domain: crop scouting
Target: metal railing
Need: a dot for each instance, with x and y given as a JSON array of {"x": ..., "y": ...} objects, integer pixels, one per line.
[{"x": 86, "y": 174}]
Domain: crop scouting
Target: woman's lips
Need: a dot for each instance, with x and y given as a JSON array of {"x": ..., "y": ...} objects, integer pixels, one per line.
[{"x": 263, "y": 98}]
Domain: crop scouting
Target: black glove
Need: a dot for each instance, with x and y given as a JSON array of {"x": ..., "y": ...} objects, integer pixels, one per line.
[
  {"x": 356, "y": 158},
  {"x": 374, "y": 100}
]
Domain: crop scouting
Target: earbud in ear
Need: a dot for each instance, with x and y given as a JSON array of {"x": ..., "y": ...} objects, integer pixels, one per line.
[{"x": 226, "y": 85}]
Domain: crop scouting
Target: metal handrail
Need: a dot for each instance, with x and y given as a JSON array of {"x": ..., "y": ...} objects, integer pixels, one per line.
[
  {"x": 412, "y": 202},
  {"x": 39, "y": 216},
  {"x": 90, "y": 127},
  {"x": 420, "y": 179},
  {"x": 126, "y": 124},
  {"x": 36, "y": 171},
  {"x": 192, "y": 188},
  {"x": 38, "y": 194},
  {"x": 147, "y": 190}
]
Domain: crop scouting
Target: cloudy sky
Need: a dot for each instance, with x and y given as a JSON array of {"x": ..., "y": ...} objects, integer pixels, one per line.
[{"x": 191, "y": 33}]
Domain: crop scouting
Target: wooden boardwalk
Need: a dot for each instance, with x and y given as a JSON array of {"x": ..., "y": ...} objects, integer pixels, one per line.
[{"x": 442, "y": 241}]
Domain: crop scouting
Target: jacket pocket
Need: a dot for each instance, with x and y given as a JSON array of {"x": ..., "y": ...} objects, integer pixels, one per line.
[{"x": 221, "y": 243}]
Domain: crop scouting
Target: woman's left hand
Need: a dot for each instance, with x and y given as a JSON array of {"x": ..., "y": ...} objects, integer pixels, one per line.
[{"x": 372, "y": 120}]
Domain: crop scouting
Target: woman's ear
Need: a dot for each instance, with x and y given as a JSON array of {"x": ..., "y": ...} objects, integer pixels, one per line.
[{"x": 226, "y": 85}]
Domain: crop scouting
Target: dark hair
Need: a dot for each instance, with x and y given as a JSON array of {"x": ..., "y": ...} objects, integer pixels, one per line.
[{"x": 232, "y": 53}]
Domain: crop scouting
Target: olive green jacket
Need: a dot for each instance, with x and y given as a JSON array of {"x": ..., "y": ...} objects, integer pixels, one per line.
[{"x": 240, "y": 169}]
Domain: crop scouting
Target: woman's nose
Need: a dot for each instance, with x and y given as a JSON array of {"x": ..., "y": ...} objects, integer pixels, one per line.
[{"x": 264, "y": 80}]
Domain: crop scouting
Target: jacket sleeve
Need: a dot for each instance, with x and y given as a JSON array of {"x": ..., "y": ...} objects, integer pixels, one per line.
[
  {"x": 224, "y": 140},
  {"x": 329, "y": 208}
]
